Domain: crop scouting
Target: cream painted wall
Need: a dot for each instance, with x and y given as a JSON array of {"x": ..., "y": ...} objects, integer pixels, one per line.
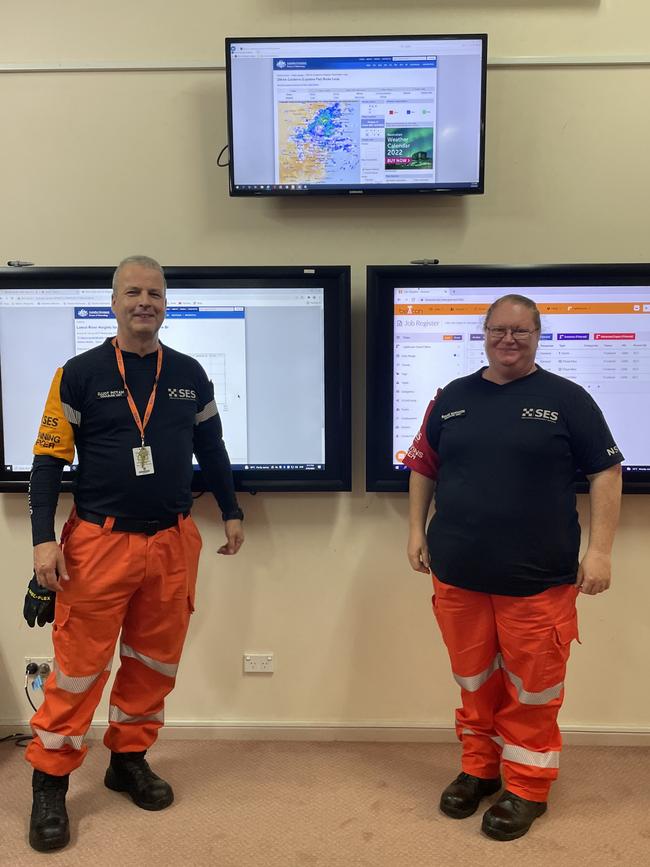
[{"x": 94, "y": 166}]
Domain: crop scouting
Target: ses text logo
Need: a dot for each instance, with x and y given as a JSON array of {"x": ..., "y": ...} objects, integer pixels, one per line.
[
  {"x": 181, "y": 393},
  {"x": 551, "y": 415}
]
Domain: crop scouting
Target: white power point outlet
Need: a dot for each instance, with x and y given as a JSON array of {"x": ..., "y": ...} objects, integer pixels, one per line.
[
  {"x": 44, "y": 664},
  {"x": 258, "y": 663}
]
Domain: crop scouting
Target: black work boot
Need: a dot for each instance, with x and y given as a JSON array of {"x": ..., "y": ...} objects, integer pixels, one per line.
[
  {"x": 511, "y": 816},
  {"x": 461, "y": 798},
  {"x": 48, "y": 827},
  {"x": 129, "y": 772}
]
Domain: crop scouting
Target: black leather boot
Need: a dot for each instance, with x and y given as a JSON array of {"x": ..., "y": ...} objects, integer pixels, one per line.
[
  {"x": 461, "y": 798},
  {"x": 129, "y": 772},
  {"x": 48, "y": 827},
  {"x": 511, "y": 816}
]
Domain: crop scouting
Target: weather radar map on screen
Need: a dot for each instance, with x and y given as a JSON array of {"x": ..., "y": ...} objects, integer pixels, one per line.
[
  {"x": 318, "y": 141},
  {"x": 356, "y": 115}
]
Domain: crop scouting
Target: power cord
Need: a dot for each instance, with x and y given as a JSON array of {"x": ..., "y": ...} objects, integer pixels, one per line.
[
  {"x": 30, "y": 671},
  {"x": 29, "y": 699},
  {"x": 221, "y": 153},
  {"x": 19, "y": 739}
]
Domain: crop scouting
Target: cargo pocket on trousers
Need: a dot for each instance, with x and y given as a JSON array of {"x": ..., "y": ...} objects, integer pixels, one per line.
[
  {"x": 64, "y": 648},
  {"x": 561, "y": 637},
  {"x": 61, "y": 615},
  {"x": 191, "y": 593},
  {"x": 191, "y": 590},
  {"x": 567, "y": 631},
  {"x": 192, "y": 543}
]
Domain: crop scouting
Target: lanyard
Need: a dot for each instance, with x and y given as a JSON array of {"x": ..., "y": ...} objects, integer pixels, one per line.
[{"x": 152, "y": 397}]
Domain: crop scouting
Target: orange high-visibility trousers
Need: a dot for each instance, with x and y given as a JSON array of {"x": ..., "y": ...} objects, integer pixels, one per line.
[
  {"x": 140, "y": 585},
  {"x": 508, "y": 655}
]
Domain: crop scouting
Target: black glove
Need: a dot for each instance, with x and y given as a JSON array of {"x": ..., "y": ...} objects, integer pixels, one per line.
[{"x": 39, "y": 604}]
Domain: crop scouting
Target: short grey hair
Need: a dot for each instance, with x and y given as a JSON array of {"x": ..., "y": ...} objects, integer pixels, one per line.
[
  {"x": 515, "y": 299},
  {"x": 145, "y": 262}
]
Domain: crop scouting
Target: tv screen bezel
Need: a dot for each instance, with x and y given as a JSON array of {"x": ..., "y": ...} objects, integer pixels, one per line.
[
  {"x": 477, "y": 189},
  {"x": 381, "y": 281},
  {"x": 335, "y": 279}
]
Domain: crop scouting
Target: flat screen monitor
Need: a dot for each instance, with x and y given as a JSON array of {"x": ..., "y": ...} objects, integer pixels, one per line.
[
  {"x": 425, "y": 328},
  {"x": 274, "y": 341},
  {"x": 356, "y": 115}
]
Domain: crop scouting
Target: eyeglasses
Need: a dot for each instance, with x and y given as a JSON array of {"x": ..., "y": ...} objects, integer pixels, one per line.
[{"x": 498, "y": 332}]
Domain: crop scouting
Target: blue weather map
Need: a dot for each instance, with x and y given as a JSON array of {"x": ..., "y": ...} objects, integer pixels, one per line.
[{"x": 318, "y": 142}]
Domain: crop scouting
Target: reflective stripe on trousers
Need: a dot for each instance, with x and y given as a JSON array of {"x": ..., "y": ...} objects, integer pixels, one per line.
[
  {"x": 166, "y": 668},
  {"x": 71, "y": 683},
  {"x": 471, "y": 684},
  {"x": 513, "y": 753},
  {"x": 116, "y": 714},
  {"x": 54, "y": 741}
]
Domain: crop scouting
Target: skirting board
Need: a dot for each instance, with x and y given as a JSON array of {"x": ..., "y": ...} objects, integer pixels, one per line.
[{"x": 233, "y": 730}]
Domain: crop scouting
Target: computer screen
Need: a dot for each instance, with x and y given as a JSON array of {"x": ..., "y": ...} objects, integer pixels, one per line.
[
  {"x": 274, "y": 342},
  {"x": 425, "y": 329},
  {"x": 349, "y": 115}
]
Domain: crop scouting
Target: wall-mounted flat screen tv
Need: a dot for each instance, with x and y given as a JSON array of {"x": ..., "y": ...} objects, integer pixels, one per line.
[
  {"x": 425, "y": 328},
  {"x": 356, "y": 115},
  {"x": 274, "y": 341}
]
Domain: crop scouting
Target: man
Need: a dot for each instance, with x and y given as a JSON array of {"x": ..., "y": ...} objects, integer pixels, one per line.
[
  {"x": 136, "y": 411},
  {"x": 501, "y": 448}
]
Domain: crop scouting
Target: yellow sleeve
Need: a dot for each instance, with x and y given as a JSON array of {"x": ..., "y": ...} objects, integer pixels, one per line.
[{"x": 55, "y": 434}]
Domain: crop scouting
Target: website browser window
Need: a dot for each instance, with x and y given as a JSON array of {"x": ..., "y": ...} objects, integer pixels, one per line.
[
  {"x": 351, "y": 120},
  {"x": 262, "y": 349},
  {"x": 356, "y": 114},
  {"x": 597, "y": 336}
]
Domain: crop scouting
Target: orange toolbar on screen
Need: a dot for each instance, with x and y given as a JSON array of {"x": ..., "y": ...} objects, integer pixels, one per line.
[
  {"x": 439, "y": 309},
  {"x": 445, "y": 309},
  {"x": 605, "y": 307}
]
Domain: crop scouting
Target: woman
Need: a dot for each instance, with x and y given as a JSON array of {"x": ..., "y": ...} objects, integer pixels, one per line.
[{"x": 500, "y": 448}]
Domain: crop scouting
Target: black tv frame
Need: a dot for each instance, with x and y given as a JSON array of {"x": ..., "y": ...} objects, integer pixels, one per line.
[
  {"x": 382, "y": 279},
  {"x": 358, "y": 190},
  {"x": 336, "y": 475}
]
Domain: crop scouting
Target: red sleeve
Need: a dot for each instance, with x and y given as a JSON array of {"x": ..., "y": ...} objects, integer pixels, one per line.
[{"x": 421, "y": 457}]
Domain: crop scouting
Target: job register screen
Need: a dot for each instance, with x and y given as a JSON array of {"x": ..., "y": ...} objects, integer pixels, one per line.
[{"x": 597, "y": 336}]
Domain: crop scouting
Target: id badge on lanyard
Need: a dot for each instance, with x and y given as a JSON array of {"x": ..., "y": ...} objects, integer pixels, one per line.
[
  {"x": 143, "y": 461},
  {"x": 142, "y": 456}
]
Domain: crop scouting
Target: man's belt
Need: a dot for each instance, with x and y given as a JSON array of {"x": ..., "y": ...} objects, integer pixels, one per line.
[{"x": 132, "y": 525}]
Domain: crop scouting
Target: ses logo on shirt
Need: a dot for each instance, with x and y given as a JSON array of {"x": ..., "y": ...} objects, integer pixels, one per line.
[
  {"x": 181, "y": 393},
  {"x": 551, "y": 415}
]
